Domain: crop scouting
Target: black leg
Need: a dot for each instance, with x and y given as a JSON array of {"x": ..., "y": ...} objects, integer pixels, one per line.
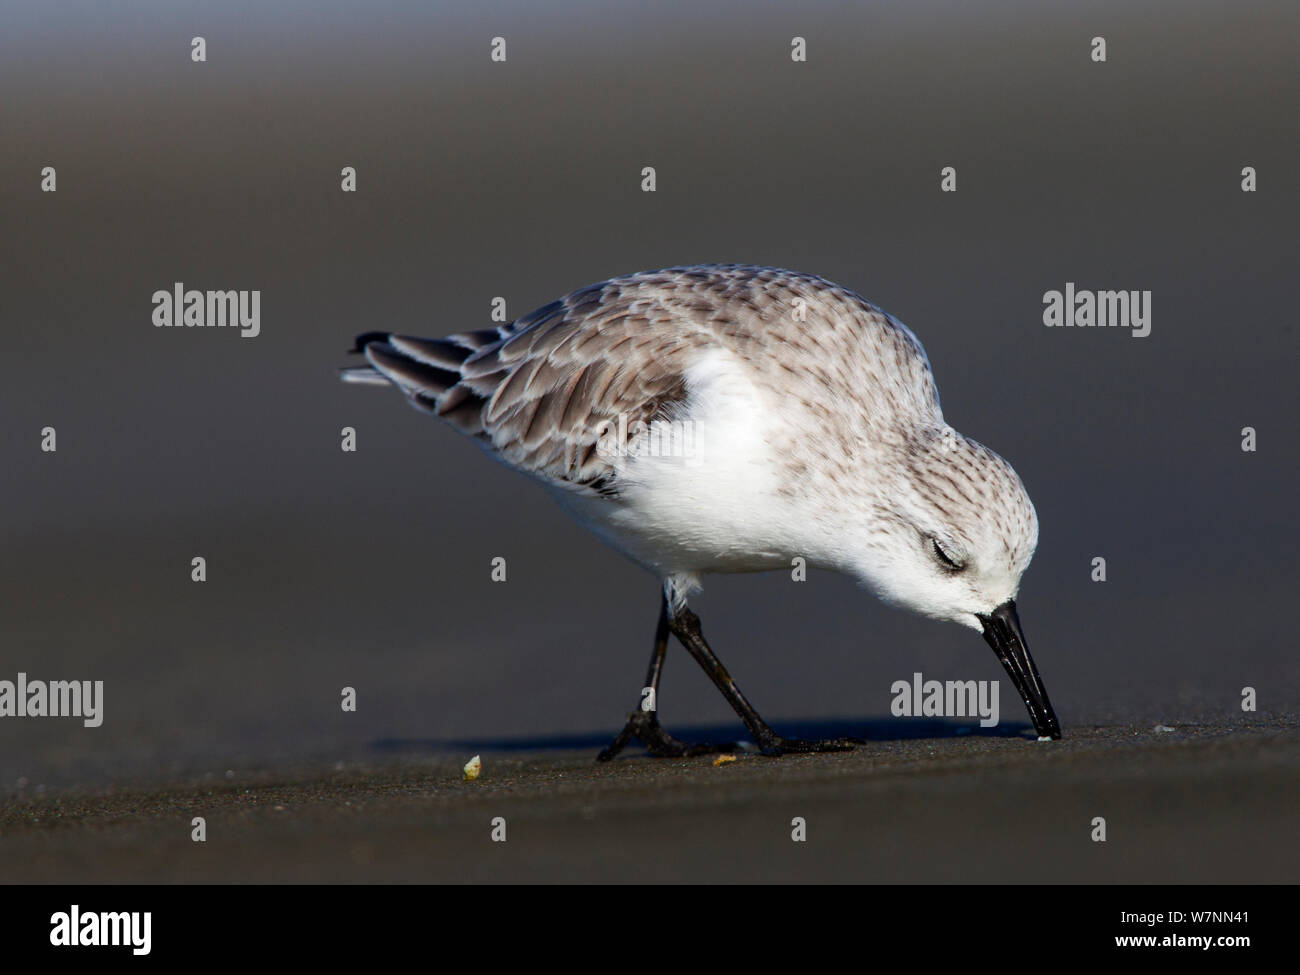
[
  {"x": 686, "y": 627},
  {"x": 644, "y": 725}
]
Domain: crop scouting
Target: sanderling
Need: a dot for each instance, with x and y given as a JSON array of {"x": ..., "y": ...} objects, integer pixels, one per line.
[{"x": 726, "y": 418}]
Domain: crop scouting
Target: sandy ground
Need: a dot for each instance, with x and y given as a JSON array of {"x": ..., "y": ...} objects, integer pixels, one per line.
[{"x": 1201, "y": 803}]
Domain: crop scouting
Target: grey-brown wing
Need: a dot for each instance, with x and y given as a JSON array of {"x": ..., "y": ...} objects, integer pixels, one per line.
[{"x": 542, "y": 390}]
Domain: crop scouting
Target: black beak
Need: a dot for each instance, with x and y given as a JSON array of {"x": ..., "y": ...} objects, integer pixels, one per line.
[{"x": 1003, "y": 633}]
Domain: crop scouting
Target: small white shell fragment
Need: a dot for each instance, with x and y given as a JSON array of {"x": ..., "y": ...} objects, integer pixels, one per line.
[
  {"x": 1044, "y": 737},
  {"x": 1164, "y": 727},
  {"x": 472, "y": 768}
]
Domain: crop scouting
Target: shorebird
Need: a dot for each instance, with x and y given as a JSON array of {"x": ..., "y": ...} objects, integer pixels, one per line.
[{"x": 730, "y": 418}]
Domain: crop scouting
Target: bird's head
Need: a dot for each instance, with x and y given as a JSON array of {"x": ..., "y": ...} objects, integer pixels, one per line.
[{"x": 950, "y": 540}]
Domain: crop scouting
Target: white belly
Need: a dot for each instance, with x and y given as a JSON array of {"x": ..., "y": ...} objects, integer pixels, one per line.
[{"x": 701, "y": 495}]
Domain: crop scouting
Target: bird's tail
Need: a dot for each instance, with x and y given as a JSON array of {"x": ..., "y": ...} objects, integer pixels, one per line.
[{"x": 431, "y": 372}]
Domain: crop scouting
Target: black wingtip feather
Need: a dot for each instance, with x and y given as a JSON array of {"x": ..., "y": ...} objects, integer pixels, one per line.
[{"x": 365, "y": 338}]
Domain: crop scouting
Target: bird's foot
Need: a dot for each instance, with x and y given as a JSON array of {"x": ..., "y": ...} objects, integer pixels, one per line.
[
  {"x": 644, "y": 726},
  {"x": 776, "y": 745}
]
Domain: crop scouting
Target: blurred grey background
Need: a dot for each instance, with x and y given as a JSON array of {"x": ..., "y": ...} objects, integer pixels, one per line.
[{"x": 521, "y": 179}]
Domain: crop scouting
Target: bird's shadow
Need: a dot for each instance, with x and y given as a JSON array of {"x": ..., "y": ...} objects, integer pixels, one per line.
[{"x": 868, "y": 729}]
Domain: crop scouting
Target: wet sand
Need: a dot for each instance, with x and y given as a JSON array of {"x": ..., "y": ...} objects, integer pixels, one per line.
[{"x": 1204, "y": 803}]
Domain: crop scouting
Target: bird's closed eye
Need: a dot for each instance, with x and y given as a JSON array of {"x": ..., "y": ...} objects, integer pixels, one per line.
[{"x": 949, "y": 561}]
